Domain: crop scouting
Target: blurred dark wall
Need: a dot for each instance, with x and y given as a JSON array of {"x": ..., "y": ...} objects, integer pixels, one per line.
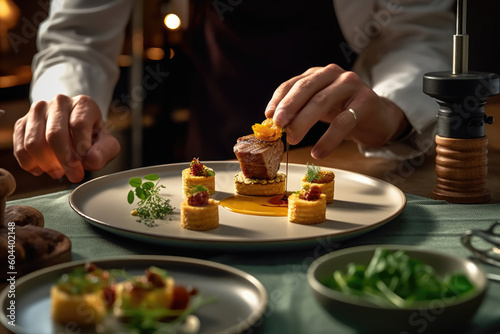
[
  {"x": 22, "y": 38},
  {"x": 484, "y": 35}
]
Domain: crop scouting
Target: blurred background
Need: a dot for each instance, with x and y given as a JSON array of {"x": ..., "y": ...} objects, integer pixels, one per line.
[{"x": 151, "y": 126}]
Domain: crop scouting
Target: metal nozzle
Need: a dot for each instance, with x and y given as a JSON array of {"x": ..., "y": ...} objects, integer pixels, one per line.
[{"x": 461, "y": 41}]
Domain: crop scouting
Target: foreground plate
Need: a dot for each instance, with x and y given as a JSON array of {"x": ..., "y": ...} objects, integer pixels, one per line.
[
  {"x": 361, "y": 204},
  {"x": 241, "y": 298}
]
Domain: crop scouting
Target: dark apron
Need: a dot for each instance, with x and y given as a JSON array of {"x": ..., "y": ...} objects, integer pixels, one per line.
[{"x": 242, "y": 51}]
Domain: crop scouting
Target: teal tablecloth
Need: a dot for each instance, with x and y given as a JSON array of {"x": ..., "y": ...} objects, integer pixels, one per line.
[{"x": 292, "y": 308}]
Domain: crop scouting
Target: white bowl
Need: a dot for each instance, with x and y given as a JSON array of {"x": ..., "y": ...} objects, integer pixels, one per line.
[{"x": 436, "y": 316}]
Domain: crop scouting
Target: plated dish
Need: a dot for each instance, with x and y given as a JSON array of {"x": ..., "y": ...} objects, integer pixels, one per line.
[
  {"x": 240, "y": 298},
  {"x": 361, "y": 204}
]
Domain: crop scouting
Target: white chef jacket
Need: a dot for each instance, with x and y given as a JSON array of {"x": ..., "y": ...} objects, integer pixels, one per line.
[{"x": 397, "y": 42}]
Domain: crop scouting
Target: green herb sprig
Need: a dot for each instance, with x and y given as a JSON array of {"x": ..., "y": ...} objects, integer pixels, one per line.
[
  {"x": 312, "y": 173},
  {"x": 151, "y": 205}
]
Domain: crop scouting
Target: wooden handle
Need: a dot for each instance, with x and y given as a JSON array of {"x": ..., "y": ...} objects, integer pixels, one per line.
[{"x": 461, "y": 170}]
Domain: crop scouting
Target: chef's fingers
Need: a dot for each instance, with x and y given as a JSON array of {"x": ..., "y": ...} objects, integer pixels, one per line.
[
  {"x": 93, "y": 143},
  {"x": 85, "y": 121},
  {"x": 339, "y": 129},
  {"x": 59, "y": 133},
  {"x": 302, "y": 91},
  {"x": 284, "y": 89},
  {"x": 324, "y": 106},
  {"x": 20, "y": 152},
  {"x": 36, "y": 140},
  {"x": 104, "y": 148}
]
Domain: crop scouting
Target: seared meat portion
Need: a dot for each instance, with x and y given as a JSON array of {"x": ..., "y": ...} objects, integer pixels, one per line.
[{"x": 258, "y": 159}]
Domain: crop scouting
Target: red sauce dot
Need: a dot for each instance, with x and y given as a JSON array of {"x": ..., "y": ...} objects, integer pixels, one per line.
[{"x": 279, "y": 200}]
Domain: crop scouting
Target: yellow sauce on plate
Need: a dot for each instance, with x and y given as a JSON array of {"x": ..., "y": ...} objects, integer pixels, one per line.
[{"x": 256, "y": 205}]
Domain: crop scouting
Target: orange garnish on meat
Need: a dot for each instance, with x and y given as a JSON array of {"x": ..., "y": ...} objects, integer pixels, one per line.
[{"x": 267, "y": 131}]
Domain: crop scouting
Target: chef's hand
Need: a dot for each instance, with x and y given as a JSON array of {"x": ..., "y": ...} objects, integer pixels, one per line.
[
  {"x": 63, "y": 137},
  {"x": 326, "y": 94}
]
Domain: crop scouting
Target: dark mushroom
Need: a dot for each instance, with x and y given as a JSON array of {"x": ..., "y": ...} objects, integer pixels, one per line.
[
  {"x": 7, "y": 187},
  {"x": 23, "y": 215},
  {"x": 35, "y": 246}
]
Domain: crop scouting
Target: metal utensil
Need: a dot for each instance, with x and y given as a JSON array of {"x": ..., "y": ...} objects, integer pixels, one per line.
[{"x": 489, "y": 251}]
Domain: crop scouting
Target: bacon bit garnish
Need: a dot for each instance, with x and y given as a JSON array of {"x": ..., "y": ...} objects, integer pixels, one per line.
[
  {"x": 109, "y": 295},
  {"x": 154, "y": 278},
  {"x": 181, "y": 298},
  {"x": 196, "y": 168},
  {"x": 267, "y": 131},
  {"x": 325, "y": 177},
  {"x": 198, "y": 199},
  {"x": 198, "y": 196},
  {"x": 310, "y": 193}
]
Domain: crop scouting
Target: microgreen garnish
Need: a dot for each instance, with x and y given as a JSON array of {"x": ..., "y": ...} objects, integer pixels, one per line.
[
  {"x": 197, "y": 188},
  {"x": 81, "y": 281},
  {"x": 151, "y": 205},
  {"x": 149, "y": 320},
  {"x": 312, "y": 173}
]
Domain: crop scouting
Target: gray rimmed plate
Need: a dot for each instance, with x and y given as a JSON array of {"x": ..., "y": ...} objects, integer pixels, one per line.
[
  {"x": 240, "y": 298},
  {"x": 362, "y": 203}
]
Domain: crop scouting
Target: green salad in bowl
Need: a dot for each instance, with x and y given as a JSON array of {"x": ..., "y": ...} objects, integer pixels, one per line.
[{"x": 396, "y": 288}]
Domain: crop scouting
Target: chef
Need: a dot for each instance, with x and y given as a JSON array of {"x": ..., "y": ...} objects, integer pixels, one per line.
[{"x": 327, "y": 70}]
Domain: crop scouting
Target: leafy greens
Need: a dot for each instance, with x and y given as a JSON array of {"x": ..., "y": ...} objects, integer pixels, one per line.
[{"x": 396, "y": 279}]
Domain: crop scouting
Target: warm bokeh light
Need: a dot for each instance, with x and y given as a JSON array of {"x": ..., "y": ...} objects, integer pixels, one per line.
[
  {"x": 172, "y": 21},
  {"x": 9, "y": 14},
  {"x": 155, "y": 53},
  {"x": 124, "y": 60}
]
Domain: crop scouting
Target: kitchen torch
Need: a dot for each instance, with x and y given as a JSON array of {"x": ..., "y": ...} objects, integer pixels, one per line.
[{"x": 461, "y": 145}]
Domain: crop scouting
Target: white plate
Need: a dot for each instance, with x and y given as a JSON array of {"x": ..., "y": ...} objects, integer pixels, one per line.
[
  {"x": 361, "y": 204},
  {"x": 240, "y": 298}
]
